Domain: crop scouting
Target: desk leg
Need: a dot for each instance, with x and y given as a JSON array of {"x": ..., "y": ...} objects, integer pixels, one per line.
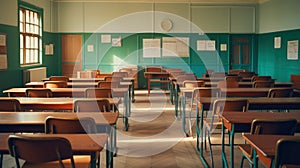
[
  {"x": 182, "y": 98},
  {"x": 255, "y": 160},
  {"x": 199, "y": 135},
  {"x": 176, "y": 100},
  {"x": 231, "y": 139},
  {"x": 132, "y": 91},
  {"x": 171, "y": 92},
  {"x": 126, "y": 112},
  {"x": 93, "y": 160},
  {"x": 148, "y": 85},
  {"x": 224, "y": 160}
]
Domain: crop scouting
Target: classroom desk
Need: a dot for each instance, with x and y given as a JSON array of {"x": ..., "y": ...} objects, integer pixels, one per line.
[
  {"x": 241, "y": 122},
  {"x": 74, "y": 82},
  {"x": 217, "y": 79},
  {"x": 249, "y": 84},
  {"x": 244, "y": 92},
  {"x": 81, "y": 143},
  {"x": 156, "y": 75},
  {"x": 34, "y": 122},
  {"x": 259, "y": 103},
  {"x": 265, "y": 147},
  {"x": 79, "y": 92},
  {"x": 59, "y": 103}
]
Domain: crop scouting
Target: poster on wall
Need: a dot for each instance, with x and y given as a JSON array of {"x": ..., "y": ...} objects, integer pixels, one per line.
[
  {"x": 277, "y": 42},
  {"x": 175, "y": 46},
  {"x": 292, "y": 50},
  {"x": 151, "y": 48},
  {"x": 3, "y": 51}
]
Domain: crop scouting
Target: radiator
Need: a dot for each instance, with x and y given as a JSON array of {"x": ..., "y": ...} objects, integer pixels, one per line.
[{"x": 34, "y": 74}]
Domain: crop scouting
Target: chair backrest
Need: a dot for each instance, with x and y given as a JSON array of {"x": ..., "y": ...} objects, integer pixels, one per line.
[
  {"x": 36, "y": 150},
  {"x": 120, "y": 74},
  {"x": 181, "y": 78},
  {"x": 247, "y": 74},
  {"x": 274, "y": 127},
  {"x": 113, "y": 79},
  {"x": 153, "y": 69},
  {"x": 218, "y": 74},
  {"x": 92, "y": 73},
  {"x": 232, "y": 105},
  {"x": 39, "y": 92},
  {"x": 287, "y": 152},
  {"x": 82, "y": 125},
  {"x": 233, "y": 78},
  {"x": 105, "y": 84},
  {"x": 10, "y": 104},
  {"x": 228, "y": 84},
  {"x": 55, "y": 84},
  {"x": 261, "y": 78},
  {"x": 98, "y": 93},
  {"x": 263, "y": 84},
  {"x": 225, "y": 105},
  {"x": 280, "y": 92},
  {"x": 205, "y": 92},
  {"x": 236, "y": 71},
  {"x": 91, "y": 105},
  {"x": 193, "y": 83},
  {"x": 59, "y": 78}
]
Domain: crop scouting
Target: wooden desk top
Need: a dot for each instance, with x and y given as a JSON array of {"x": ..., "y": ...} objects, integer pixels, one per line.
[
  {"x": 246, "y": 118},
  {"x": 60, "y": 92},
  {"x": 259, "y": 102},
  {"x": 249, "y": 84},
  {"x": 88, "y": 79},
  {"x": 81, "y": 143},
  {"x": 34, "y": 121},
  {"x": 156, "y": 74},
  {"x": 265, "y": 146}
]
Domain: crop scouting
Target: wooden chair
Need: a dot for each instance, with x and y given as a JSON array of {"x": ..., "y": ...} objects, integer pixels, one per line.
[
  {"x": 280, "y": 92},
  {"x": 58, "y": 78},
  {"x": 212, "y": 120},
  {"x": 98, "y": 93},
  {"x": 92, "y": 73},
  {"x": 91, "y": 105},
  {"x": 113, "y": 79},
  {"x": 120, "y": 74},
  {"x": 261, "y": 78},
  {"x": 193, "y": 84},
  {"x": 154, "y": 69},
  {"x": 39, "y": 92},
  {"x": 218, "y": 75},
  {"x": 197, "y": 93},
  {"x": 267, "y": 126},
  {"x": 54, "y": 125},
  {"x": 106, "y": 84},
  {"x": 41, "y": 152},
  {"x": 10, "y": 104},
  {"x": 246, "y": 74},
  {"x": 233, "y": 78},
  {"x": 55, "y": 84},
  {"x": 263, "y": 84},
  {"x": 287, "y": 153},
  {"x": 236, "y": 71},
  {"x": 228, "y": 84}
]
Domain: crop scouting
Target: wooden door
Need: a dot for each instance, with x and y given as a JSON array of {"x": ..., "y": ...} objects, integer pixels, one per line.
[
  {"x": 241, "y": 52},
  {"x": 71, "y": 54}
]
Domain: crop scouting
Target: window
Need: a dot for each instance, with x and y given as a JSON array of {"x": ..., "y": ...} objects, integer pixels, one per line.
[{"x": 30, "y": 36}]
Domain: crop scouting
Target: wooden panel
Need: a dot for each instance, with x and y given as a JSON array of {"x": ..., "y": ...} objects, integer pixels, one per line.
[{"x": 71, "y": 55}]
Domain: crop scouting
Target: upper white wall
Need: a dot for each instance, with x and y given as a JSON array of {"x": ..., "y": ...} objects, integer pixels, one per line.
[
  {"x": 279, "y": 15},
  {"x": 9, "y": 12}
]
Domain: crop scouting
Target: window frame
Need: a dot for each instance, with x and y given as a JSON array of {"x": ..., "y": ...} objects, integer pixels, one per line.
[{"x": 39, "y": 11}]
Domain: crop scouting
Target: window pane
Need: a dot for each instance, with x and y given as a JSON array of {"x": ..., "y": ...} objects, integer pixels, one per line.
[
  {"x": 21, "y": 56},
  {"x": 27, "y": 16},
  {"x": 21, "y": 41},
  {"x": 21, "y": 27},
  {"x": 21, "y": 16}
]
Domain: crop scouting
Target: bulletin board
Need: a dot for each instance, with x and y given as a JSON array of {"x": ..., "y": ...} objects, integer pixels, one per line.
[{"x": 3, "y": 51}]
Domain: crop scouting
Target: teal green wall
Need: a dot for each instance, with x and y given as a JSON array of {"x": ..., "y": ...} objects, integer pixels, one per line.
[
  {"x": 273, "y": 61},
  {"x": 13, "y": 75},
  {"x": 108, "y": 58}
]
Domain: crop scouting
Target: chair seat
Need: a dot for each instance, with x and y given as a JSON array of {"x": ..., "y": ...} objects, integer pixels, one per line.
[
  {"x": 246, "y": 149},
  {"x": 81, "y": 161}
]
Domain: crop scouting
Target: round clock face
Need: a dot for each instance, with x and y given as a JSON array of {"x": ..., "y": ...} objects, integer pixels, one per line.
[{"x": 166, "y": 25}]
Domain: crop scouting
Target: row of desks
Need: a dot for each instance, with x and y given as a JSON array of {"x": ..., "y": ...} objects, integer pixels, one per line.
[
  {"x": 66, "y": 100},
  {"x": 11, "y": 122}
]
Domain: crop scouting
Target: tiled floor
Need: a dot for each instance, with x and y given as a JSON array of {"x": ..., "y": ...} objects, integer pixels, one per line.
[{"x": 155, "y": 138}]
